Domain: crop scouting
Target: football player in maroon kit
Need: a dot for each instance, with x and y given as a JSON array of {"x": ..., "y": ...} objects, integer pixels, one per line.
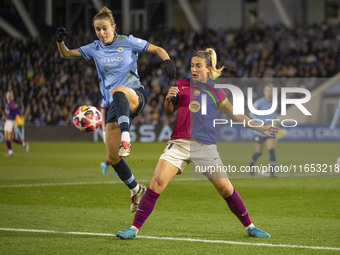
[
  {"x": 194, "y": 140},
  {"x": 12, "y": 110}
]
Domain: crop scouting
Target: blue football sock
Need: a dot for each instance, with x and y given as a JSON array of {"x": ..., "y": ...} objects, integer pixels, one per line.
[
  {"x": 272, "y": 159},
  {"x": 122, "y": 108},
  {"x": 254, "y": 158},
  {"x": 124, "y": 173}
]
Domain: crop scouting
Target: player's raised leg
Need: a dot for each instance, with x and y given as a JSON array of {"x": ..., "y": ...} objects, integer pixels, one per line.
[
  {"x": 236, "y": 205},
  {"x": 125, "y": 102},
  {"x": 120, "y": 166},
  {"x": 164, "y": 172}
]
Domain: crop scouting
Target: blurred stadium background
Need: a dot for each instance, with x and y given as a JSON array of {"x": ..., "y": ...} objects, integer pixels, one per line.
[{"x": 253, "y": 39}]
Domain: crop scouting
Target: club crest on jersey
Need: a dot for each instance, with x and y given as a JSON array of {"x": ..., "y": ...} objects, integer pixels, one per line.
[
  {"x": 120, "y": 49},
  {"x": 194, "y": 106}
]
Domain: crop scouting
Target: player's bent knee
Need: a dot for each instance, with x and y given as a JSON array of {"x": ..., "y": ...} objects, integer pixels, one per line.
[
  {"x": 119, "y": 88},
  {"x": 157, "y": 185},
  {"x": 114, "y": 160},
  {"x": 225, "y": 190}
]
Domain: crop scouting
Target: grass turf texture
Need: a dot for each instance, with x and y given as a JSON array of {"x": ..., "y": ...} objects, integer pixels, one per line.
[{"x": 295, "y": 211}]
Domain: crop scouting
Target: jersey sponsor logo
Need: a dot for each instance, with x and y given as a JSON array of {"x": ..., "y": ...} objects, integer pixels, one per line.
[
  {"x": 120, "y": 49},
  {"x": 207, "y": 90},
  {"x": 111, "y": 60},
  {"x": 194, "y": 106}
]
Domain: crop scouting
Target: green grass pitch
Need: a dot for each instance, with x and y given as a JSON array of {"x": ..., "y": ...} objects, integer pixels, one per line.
[{"x": 59, "y": 187}]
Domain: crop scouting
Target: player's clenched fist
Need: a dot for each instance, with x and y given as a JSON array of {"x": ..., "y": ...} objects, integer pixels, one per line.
[
  {"x": 173, "y": 91},
  {"x": 61, "y": 34}
]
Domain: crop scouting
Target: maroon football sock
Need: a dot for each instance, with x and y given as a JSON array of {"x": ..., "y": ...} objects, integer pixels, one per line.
[
  {"x": 145, "y": 208},
  {"x": 237, "y": 206},
  {"x": 8, "y": 144}
]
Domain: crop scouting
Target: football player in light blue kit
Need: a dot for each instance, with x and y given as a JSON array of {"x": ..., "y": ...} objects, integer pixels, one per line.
[
  {"x": 334, "y": 122},
  {"x": 264, "y": 103},
  {"x": 115, "y": 57},
  {"x": 335, "y": 118}
]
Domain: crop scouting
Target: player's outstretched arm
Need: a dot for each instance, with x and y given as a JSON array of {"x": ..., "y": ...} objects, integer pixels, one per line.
[
  {"x": 169, "y": 66},
  {"x": 63, "y": 50},
  {"x": 265, "y": 129}
]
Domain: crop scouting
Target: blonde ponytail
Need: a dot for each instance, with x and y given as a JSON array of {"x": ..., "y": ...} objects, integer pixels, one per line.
[{"x": 209, "y": 55}]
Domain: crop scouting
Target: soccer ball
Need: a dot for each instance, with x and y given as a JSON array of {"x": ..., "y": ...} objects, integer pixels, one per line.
[{"x": 87, "y": 118}]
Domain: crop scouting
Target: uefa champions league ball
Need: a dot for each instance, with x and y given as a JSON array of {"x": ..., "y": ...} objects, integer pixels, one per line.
[{"x": 87, "y": 118}]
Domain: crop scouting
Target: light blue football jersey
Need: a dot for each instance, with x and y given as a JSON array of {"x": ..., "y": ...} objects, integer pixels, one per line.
[
  {"x": 263, "y": 104},
  {"x": 116, "y": 63}
]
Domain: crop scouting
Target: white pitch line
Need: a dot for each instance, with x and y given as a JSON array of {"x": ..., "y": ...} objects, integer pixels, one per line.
[
  {"x": 83, "y": 183},
  {"x": 91, "y": 183},
  {"x": 55, "y": 184},
  {"x": 176, "y": 239}
]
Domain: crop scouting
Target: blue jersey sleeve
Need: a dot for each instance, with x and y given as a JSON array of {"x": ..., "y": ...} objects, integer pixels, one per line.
[
  {"x": 138, "y": 45},
  {"x": 86, "y": 51}
]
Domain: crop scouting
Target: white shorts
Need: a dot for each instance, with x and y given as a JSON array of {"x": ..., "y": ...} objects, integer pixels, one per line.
[
  {"x": 10, "y": 126},
  {"x": 180, "y": 152}
]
